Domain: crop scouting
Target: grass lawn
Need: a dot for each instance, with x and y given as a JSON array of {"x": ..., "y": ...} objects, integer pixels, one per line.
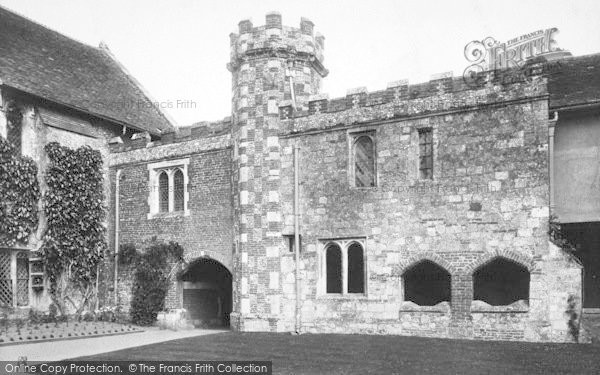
[{"x": 363, "y": 354}]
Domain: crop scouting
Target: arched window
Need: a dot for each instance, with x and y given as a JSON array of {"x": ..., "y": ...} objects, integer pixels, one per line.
[
  {"x": 163, "y": 192},
  {"x": 178, "y": 193},
  {"x": 501, "y": 282},
  {"x": 356, "y": 269},
  {"x": 426, "y": 284},
  {"x": 334, "y": 268},
  {"x": 364, "y": 162}
]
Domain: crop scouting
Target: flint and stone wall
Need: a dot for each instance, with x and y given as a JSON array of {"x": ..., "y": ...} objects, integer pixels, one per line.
[{"x": 488, "y": 198}]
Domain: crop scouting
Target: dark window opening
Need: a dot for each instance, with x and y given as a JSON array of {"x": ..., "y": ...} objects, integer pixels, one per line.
[
  {"x": 178, "y": 191},
  {"x": 501, "y": 282},
  {"x": 334, "y": 269},
  {"x": 426, "y": 154},
  {"x": 163, "y": 192},
  {"x": 14, "y": 124},
  {"x": 426, "y": 284},
  {"x": 585, "y": 237},
  {"x": 364, "y": 162},
  {"x": 291, "y": 242},
  {"x": 356, "y": 269}
]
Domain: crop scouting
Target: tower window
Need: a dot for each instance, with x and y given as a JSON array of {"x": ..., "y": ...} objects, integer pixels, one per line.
[{"x": 426, "y": 154}]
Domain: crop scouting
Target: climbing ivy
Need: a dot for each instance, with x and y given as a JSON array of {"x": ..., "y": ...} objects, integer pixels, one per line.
[
  {"x": 151, "y": 279},
  {"x": 74, "y": 242},
  {"x": 20, "y": 193}
]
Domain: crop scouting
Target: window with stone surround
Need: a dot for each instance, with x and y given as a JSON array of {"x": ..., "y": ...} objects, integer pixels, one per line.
[
  {"x": 343, "y": 267},
  {"x": 426, "y": 154},
  {"x": 168, "y": 188},
  {"x": 363, "y": 171},
  {"x": 501, "y": 282},
  {"x": 426, "y": 284}
]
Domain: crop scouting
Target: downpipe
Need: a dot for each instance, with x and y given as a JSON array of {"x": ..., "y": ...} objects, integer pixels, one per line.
[{"x": 297, "y": 240}]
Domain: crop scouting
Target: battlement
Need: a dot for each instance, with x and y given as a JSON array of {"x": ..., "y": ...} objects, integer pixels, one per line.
[
  {"x": 441, "y": 92},
  {"x": 275, "y": 39},
  {"x": 206, "y": 131}
]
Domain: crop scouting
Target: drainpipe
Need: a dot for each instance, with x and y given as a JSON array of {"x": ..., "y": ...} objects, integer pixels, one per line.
[
  {"x": 297, "y": 239},
  {"x": 117, "y": 192},
  {"x": 551, "y": 126}
]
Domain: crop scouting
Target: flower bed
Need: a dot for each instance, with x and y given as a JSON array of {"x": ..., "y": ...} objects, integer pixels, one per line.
[{"x": 29, "y": 332}]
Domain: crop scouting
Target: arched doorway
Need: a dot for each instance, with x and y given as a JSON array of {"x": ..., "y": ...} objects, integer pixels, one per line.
[{"x": 206, "y": 288}]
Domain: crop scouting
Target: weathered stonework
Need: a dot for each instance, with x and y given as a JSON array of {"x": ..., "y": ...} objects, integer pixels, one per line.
[{"x": 488, "y": 198}]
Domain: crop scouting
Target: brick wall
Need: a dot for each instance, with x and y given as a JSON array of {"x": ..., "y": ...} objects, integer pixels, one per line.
[{"x": 205, "y": 232}]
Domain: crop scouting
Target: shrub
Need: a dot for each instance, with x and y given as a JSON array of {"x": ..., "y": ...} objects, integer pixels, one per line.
[{"x": 151, "y": 281}]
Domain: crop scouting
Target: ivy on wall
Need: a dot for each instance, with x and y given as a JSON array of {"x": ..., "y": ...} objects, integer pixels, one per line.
[
  {"x": 20, "y": 193},
  {"x": 74, "y": 242},
  {"x": 151, "y": 278}
]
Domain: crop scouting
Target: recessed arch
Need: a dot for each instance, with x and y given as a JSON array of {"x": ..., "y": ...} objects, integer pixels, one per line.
[
  {"x": 206, "y": 287},
  {"x": 426, "y": 283},
  {"x": 501, "y": 281}
]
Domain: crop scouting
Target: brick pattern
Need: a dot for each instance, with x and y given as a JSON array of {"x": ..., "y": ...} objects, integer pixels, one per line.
[{"x": 267, "y": 64}]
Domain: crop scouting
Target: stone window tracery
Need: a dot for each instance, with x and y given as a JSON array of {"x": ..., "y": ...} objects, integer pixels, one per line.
[
  {"x": 168, "y": 188},
  {"x": 343, "y": 267}
]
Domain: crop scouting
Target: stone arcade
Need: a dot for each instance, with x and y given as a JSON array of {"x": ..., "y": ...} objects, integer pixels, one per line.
[{"x": 423, "y": 208}]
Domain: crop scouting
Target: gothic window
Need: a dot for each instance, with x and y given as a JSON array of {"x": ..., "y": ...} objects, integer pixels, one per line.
[
  {"x": 426, "y": 154},
  {"x": 356, "y": 269},
  {"x": 178, "y": 188},
  {"x": 501, "y": 282},
  {"x": 163, "y": 192},
  {"x": 334, "y": 269},
  {"x": 168, "y": 188},
  {"x": 426, "y": 284},
  {"x": 363, "y": 154},
  {"x": 344, "y": 267}
]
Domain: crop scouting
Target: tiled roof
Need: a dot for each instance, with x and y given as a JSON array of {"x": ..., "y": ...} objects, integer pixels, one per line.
[
  {"x": 47, "y": 64},
  {"x": 575, "y": 82}
]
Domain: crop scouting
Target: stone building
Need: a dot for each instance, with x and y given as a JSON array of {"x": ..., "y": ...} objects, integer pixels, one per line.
[{"x": 421, "y": 209}]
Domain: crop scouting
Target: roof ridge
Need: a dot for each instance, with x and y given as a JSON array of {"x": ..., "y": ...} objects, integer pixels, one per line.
[
  {"x": 108, "y": 53},
  {"x": 40, "y": 24}
]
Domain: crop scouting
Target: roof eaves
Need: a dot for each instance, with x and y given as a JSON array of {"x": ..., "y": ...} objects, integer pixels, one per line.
[{"x": 104, "y": 48}]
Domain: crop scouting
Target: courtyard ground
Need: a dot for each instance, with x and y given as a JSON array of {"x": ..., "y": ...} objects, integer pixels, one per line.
[{"x": 363, "y": 354}]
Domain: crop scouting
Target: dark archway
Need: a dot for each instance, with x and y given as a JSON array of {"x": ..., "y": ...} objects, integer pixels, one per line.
[
  {"x": 206, "y": 288},
  {"x": 501, "y": 282},
  {"x": 427, "y": 284}
]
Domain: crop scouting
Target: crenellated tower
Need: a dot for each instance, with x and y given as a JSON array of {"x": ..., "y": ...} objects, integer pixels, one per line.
[{"x": 270, "y": 64}]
